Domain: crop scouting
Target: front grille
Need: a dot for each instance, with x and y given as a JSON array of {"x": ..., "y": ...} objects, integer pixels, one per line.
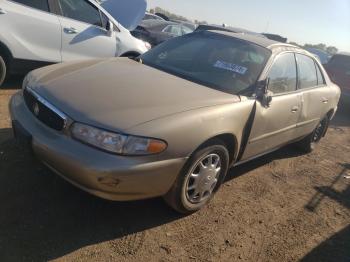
[{"x": 44, "y": 111}]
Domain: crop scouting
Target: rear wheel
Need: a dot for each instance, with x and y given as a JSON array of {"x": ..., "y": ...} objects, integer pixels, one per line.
[
  {"x": 200, "y": 178},
  {"x": 3, "y": 70},
  {"x": 309, "y": 143}
]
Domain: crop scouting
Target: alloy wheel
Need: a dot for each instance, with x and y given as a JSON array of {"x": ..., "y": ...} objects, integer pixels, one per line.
[{"x": 202, "y": 178}]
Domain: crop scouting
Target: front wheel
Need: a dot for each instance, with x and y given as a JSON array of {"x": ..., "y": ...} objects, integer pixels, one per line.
[
  {"x": 200, "y": 178},
  {"x": 3, "y": 70},
  {"x": 309, "y": 143}
]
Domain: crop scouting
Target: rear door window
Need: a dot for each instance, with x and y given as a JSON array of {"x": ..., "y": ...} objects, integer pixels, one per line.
[
  {"x": 81, "y": 10},
  {"x": 283, "y": 74},
  {"x": 307, "y": 71},
  {"x": 174, "y": 30},
  {"x": 168, "y": 29},
  {"x": 186, "y": 30},
  {"x": 38, "y": 4}
]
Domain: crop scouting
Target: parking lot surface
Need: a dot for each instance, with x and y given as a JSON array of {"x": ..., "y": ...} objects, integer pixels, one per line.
[{"x": 285, "y": 206}]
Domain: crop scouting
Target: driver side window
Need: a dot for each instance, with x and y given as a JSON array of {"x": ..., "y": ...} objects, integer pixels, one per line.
[
  {"x": 81, "y": 10},
  {"x": 283, "y": 74},
  {"x": 174, "y": 30}
]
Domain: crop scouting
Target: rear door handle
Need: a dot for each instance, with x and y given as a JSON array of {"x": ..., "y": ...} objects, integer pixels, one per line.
[
  {"x": 70, "y": 30},
  {"x": 324, "y": 100},
  {"x": 2, "y": 11},
  {"x": 295, "y": 109}
]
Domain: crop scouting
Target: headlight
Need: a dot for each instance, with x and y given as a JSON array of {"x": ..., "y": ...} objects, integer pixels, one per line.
[{"x": 117, "y": 143}]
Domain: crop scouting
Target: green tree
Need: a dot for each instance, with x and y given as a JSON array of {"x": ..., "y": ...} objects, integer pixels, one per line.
[
  {"x": 171, "y": 15},
  {"x": 329, "y": 49},
  {"x": 332, "y": 50}
]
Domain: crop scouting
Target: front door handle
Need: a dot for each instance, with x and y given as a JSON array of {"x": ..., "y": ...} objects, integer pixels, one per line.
[
  {"x": 2, "y": 11},
  {"x": 324, "y": 100},
  {"x": 295, "y": 109},
  {"x": 70, "y": 30}
]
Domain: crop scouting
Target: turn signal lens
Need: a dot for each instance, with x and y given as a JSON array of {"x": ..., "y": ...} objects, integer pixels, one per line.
[{"x": 156, "y": 146}]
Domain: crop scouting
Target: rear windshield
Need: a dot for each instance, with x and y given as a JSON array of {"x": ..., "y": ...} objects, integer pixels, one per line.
[
  {"x": 340, "y": 62},
  {"x": 224, "y": 63}
]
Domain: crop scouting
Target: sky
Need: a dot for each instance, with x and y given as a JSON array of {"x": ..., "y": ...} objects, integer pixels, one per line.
[{"x": 301, "y": 21}]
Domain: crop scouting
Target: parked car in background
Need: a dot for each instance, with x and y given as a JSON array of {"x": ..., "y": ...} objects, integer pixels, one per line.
[
  {"x": 323, "y": 56},
  {"x": 185, "y": 23},
  {"x": 190, "y": 25},
  {"x": 34, "y": 33},
  {"x": 179, "y": 117},
  {"x": 149, "y": 16},
  {"x": 231, "y": 29},
  {"x": 338, "y": 69},
  {"x": 156, "y": 32}
]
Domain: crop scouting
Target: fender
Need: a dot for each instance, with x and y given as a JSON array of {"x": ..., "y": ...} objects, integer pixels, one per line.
[
  {"x": 246, "y": 133},
  {"x": 5, "y": 51}
]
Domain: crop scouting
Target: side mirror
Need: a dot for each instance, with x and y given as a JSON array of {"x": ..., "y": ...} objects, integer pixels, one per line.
[
  {"x": 262, "y": 92},
  {"x": 109, "y": 28}
]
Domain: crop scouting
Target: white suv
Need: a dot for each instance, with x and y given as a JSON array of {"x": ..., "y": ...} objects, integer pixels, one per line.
[{"x": 34, "y": 33}]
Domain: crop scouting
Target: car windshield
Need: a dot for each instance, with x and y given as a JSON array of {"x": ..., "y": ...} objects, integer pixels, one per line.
[{"x": 221, "y": 62}]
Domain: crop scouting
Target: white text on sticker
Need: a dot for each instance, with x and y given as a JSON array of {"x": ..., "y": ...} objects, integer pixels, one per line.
[{"x": 231, "y": 67}]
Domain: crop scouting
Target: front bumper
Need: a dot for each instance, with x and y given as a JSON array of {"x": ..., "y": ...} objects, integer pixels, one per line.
[{"x": 102, "y": 174}]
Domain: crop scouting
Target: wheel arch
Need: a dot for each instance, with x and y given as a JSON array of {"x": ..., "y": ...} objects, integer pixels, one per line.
[
  {"x": 331, "y": 113},
  {"x": 231, "y": 142},
  {"x": 130, "y": 54},
  {"x": 7, "y": 53}
]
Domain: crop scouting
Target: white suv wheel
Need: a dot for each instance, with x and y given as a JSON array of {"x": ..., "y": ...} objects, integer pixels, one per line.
[{"x": 2, "y": 70}]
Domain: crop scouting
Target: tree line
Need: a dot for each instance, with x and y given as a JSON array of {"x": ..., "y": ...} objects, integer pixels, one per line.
[{"x": 329, "y": 49}]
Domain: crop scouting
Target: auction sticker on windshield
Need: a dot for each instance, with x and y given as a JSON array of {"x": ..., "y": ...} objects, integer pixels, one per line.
[{"x": 231, "y": 67}]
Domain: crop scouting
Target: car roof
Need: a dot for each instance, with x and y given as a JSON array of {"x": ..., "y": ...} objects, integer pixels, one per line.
[
  {"x": 150, "y": 14},
  {"x": 156, "y": 23},
  {"x": 343, "y": 53},
  {"x": 261, "y": 41},
  {"x": 227, "y": 28},
  {"x": 223, "y": 28}
]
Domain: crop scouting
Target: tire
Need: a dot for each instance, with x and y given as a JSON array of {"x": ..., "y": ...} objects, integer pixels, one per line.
[
  {"x": 309, "y": 143},
  {"x": 130, "y": 55},
  {"x": 197, "y": 184},
  {"x": 3, "y": 70}
]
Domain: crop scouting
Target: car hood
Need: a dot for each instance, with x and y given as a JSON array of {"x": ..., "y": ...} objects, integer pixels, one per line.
[
  {"x": 120, "y": 93},
  {"x": 129, "y": 13}
]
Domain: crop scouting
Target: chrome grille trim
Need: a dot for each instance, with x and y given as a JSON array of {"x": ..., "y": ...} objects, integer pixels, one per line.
[{"x": 42, "y": 100}]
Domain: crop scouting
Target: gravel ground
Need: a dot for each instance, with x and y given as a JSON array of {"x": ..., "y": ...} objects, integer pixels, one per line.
[{"x": 285, "y": 206}]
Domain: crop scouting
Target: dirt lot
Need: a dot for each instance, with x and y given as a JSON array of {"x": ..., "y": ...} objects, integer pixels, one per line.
[{"x": 283, "y": 207}]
